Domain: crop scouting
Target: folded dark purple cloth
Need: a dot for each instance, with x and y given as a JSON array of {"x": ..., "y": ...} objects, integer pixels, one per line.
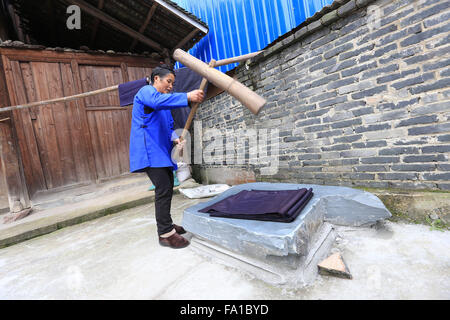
[
  {"x": 128, "y": 90},
  {"x": 264, "y": 205}
]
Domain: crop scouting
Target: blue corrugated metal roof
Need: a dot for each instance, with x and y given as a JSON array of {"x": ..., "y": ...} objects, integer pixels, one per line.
[{"x": 238, "y": 27}]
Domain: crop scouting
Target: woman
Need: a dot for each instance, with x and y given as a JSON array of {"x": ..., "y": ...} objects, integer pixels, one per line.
[{"x": 151, "y": 141}]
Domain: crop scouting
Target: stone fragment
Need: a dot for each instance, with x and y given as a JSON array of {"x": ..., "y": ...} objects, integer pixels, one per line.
[{"x": 334, "y": 265}]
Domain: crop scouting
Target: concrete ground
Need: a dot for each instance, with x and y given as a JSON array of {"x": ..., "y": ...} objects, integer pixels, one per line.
[
  {"x": 58, "y": 209},
  {"x": 117, "y": 256}
]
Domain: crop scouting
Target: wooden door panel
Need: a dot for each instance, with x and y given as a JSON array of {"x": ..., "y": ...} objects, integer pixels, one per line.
[
  {"x": 53, "y": 146},
  {"x": 109, "y": 124}
]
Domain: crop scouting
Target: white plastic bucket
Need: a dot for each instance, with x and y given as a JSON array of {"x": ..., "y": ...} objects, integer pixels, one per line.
[{"x": 183, "y": 172}]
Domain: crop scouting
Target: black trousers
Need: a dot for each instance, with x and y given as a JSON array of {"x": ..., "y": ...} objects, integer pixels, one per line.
[{"x": 162, "y": 179}]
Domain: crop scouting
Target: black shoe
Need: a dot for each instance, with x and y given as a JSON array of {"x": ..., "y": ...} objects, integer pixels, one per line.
[{"x": 175, "y": 241}]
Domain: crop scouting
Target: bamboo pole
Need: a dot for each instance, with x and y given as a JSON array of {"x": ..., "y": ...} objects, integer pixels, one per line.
[
  {"x": 237, "y": 59},
  {"x": 195, "y": 106},
  {"x": 62, "y": 99}
]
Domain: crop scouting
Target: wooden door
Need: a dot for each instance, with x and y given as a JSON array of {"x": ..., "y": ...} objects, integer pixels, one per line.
[
  {"x": 109, "y": 124},
  {"x": 53, "y": 141}
]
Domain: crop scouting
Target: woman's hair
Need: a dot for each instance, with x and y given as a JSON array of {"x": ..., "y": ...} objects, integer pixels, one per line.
[{"x": 161, "y": 71}]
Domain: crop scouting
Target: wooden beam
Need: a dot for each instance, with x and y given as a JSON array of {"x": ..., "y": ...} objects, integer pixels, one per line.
[
  {"x": 95, "y": 12},
  {"x": 186, "y": 39},
  {"x": 150, "y": 14},
  {"x": 96, "y": 22}
]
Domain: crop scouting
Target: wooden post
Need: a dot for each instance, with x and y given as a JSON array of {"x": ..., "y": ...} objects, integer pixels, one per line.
[{"x": 12, "y": 167}]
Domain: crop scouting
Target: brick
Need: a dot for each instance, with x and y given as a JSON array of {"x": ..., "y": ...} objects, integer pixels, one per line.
[
  {"x": 445, "y": 73},
  {"x": 426, "y": 158},
  {"x": 397, "y": 151},
  {"x": 422, "y": 140},
  {"x": 406, "y": 103},
  {"x": 382, "y": 51},
  {"x": 358, "y": 153},
  {"x": 414, "y": 167},
  {"x": 329, "y": 133},
  {"x": 362, "y": 85},
  {"x": 374, "y": 127},
  {"x": 338, "y": 147},
  {"x": 408, "y": 52},
  {"x": 307, "y": 122},
  {"x": 401, "y": 34},
  {"x": 438, "y": 42},
  {"x": 380, "y": 32},
  {"x": 397, "y": 176},
  {"x": 394, "y": 6},
  {"x": 324, "y": 40},
  {"x": 303, "y": 108},
  {"x": 359, "y": 68},
  {"x": 370, "y": 92},
  {"x": 418, "y": 120},
  {"x": 338, "y": 50},
  {"x": 424, "y": 14},
  {"x": 443, "y": 186},
  {"x": 436, "y": 149},
  {"x": 349, "y": 105},
  {"x": 429, "y": 129},
  {"x": 308, "y": 156},
  {"x": 370, "y": 144},
  {"x": 443, "y": 166},
  {"x": 346, "y": 123},
  {"x": 317, "y": 128},
  {"x": 341, "y": 83},
  {"x": 351, "y": 138},
  {"x": 375, "y": 160},
  {"x": 427, "y": 56},
  {"x": 395, "y": 17},
  {"x": 379, "y": 71},
  {"x": 362, "y": 111},
  {"x": 279, "y": 115},
  {"x": 323, "y": 65},
  {"x": 324, "y": 80},
  {"x": 436, "y": 20},
  {"x": 443, "y": 83},
  {"x": 354, "y": 25},
  {"x": 362, "y": 176},
  {"x": 322, "y": 97},
  {"x": 431, "y": 108},
  {"x": 341, "y": 66},
  {"x": 412, "y": 81},
  {"x": 292, "y": 139},
  {"x": 396, "y": 76},
  {"x": 371, "y": 168},
  {"x": 425, "y": 35},
  {"x": 337, "y": 116},
  {"x": 425, "y": 3},
  {"x": 333, "y": 101},
  {"x": 436, "y": 176},
  {"x": 317, "y": 113},
  {"x": 444, "y": 138}
]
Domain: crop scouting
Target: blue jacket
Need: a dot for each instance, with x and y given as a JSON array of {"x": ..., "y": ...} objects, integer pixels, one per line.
[{"x": 152, "y": 133}]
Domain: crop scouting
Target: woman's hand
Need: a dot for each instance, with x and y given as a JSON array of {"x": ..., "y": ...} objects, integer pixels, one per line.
[
  {"x": 196, "y": 95},
  {"x": 179, "y": 144}
]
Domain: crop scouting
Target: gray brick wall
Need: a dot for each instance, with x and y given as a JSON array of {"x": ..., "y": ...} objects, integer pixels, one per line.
[{"x": 358, "y": 98}]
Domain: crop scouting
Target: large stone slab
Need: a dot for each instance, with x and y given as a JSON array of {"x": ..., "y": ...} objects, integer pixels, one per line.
[{"x": 263, "y": 239}]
